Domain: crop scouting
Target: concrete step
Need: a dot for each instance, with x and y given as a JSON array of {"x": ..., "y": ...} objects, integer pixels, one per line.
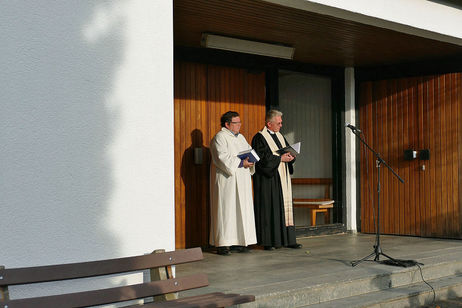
[
  {"x": 368, "y": 280},
  {"x": 413, "y": 295}
]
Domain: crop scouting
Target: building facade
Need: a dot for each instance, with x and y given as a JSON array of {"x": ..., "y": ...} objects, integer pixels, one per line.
[{"x": 101, "y": 101}]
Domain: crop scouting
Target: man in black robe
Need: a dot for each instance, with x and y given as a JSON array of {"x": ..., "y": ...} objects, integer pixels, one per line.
[{"x": 272, "y": 187}]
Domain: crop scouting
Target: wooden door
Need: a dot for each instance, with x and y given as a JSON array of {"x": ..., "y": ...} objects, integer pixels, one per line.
[
  {"x": 413, "y": 113},
  {"x": 202, "y": 94}
]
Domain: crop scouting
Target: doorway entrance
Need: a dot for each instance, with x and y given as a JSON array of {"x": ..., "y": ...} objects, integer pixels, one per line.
[{"x": 305, "y": 100}]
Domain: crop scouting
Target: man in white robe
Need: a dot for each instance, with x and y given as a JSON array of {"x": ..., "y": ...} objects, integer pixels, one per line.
[{"x": 232, "y": 214}]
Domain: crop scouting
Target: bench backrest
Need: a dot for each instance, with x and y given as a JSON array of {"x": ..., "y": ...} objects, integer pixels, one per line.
[
  {"x": 29, "y": 275},
  {"x": 327, "y": 182}
]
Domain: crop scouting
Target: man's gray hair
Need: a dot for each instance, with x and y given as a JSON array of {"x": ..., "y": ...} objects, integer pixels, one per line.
[{"x": 270, "y": 115}]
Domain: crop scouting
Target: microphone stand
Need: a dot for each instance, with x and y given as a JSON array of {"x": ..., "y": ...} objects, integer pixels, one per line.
[{"x": 377, "y": 249}]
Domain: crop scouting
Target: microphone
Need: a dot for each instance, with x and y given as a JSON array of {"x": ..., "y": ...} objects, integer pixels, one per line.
[{"x": 353, "y": 128}]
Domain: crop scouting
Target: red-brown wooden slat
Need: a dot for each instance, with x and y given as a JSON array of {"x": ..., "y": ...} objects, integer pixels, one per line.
[
  {"x": 111, "y": 295},
  {"x": 421, "y": 145},
  {"x": 438, "y": 159},
  {"x": 395, "y": 163},
  {"x": 459, "y": 148},
  {"x": 14, "y": 276}
]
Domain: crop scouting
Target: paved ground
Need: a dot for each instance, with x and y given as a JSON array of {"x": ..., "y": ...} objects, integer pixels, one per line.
[{"x": 324, "y": 259}]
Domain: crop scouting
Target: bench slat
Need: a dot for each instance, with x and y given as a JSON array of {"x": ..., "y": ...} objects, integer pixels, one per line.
[
  {"x": 17, "y": 276},
  {"x": 216, "y": 299},
  {"x": 111, "y": 295}
]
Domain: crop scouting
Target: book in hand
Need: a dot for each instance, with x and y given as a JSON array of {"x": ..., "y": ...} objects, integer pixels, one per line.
[
  {"x": 251, "y": 154},
  {"x": 293, "y": 149}
]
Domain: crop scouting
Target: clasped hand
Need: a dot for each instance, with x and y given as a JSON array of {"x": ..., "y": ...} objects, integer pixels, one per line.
[{"x": 287, "y": 157}]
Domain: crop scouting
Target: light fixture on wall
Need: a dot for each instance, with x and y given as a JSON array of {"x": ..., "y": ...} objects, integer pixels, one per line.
[{"x": 246, "y": 46}]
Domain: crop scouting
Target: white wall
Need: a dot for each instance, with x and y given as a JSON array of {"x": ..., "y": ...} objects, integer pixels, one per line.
[
  {"x": 86, "y": 130},
  {"x": 417, "y": 17}
]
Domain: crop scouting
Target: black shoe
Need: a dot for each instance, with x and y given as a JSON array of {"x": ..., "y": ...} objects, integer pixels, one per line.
[
  {"x": 295, "y": 246},
  {"x": 223, "y": 251},
  {"x": 269, "y": 248},
  {"x": 239, "y": 249}
]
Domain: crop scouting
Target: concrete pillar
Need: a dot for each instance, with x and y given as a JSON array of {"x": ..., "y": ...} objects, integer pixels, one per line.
[{"x": 350, "y": 151}]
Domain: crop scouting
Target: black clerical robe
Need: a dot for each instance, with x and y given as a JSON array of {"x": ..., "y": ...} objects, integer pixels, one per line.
[{"x": 268, "y": 198}]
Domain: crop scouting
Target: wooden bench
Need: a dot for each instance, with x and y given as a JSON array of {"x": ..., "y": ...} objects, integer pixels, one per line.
[
  {"x": 160, "y": 290},
  {"x": 321, "y": 205}
]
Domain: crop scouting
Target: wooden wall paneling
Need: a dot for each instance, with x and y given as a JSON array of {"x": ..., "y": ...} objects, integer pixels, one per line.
[
  {"x": 362, "y": 115},
  {"x": 447, "y": 185},
  {"x": 411, "y": 219},
  {"x": 430, "y": 170},
  {"x": 224, "y": 104},
  {"x": 398, "y": 162},
  {"x": 401, "y": 146},
  {"x": 382, "y": 148},
  {"x": 182, "y": 145},
  {"x": 392, "y": 159},
  {"x": 456, "y": 161},
  {"x": 444, "y": 147},
  {"x": 433, "y": 161},
  {"x": 423, "y": 178},
  {"x": 370, "y": 168},
  {"x": 421, "y": 145},
  {"x": 404, "y": 146},
  {"x": 177, "y": 134},
  {"x": 190, "y": 195},
  {"x": 202, "y": 94},
  {"x": 190, "y": 192},
  {"x": 417, "y": 134},
  {"x": 410, "y": 215},
  {"x": 363, "y": 98},
  {"x": 425, "y": 112},
  {"x": 230, "y": 90},
  {"x": 395, "y": 159},
  {"x": 205, "y": 167},
  {"x": 245, "y": 109},
  {"x": 415, "y": 205},
  {"x": 452, "y": 140},
  {"x": 370, "y": 161},
  {"x": 454, "y": 158},
  {"x": 438, "y": 158},
  {"x": 212, "y": 102},
  {"x": 459, "y": 148},
  {"x": 367, "y": 191}
]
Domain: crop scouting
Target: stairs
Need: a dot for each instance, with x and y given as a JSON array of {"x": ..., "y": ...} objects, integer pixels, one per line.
[{"x": 385, "y": 286}]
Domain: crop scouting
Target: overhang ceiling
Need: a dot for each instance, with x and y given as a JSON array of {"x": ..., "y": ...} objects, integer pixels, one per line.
[{"x": 318, "y": 39}]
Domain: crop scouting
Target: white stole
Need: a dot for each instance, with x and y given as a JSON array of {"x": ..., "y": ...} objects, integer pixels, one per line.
[{"x": 284, "y": 175}]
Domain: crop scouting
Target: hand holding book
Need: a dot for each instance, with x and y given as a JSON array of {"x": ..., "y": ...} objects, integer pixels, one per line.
[
  {"x": 250, "y": 154},
  {"x": 293, "y": 149}
]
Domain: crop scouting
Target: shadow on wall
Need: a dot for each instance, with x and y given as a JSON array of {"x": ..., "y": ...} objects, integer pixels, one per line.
[
  {"x": 55, "y": 128},
  {"x": 195, "y": 172}
]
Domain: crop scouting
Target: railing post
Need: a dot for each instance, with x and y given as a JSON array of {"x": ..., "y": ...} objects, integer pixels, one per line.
[
  {"x": 4, "y": 295},
  {"x": 162, "y": 273}
]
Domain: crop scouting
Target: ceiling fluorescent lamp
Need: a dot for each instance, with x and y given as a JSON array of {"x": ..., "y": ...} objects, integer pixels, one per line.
[{"x": 245, "y": 46}]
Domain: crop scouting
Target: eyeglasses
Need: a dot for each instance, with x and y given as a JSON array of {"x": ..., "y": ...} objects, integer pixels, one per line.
[{"x": 234, "y": 122}]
